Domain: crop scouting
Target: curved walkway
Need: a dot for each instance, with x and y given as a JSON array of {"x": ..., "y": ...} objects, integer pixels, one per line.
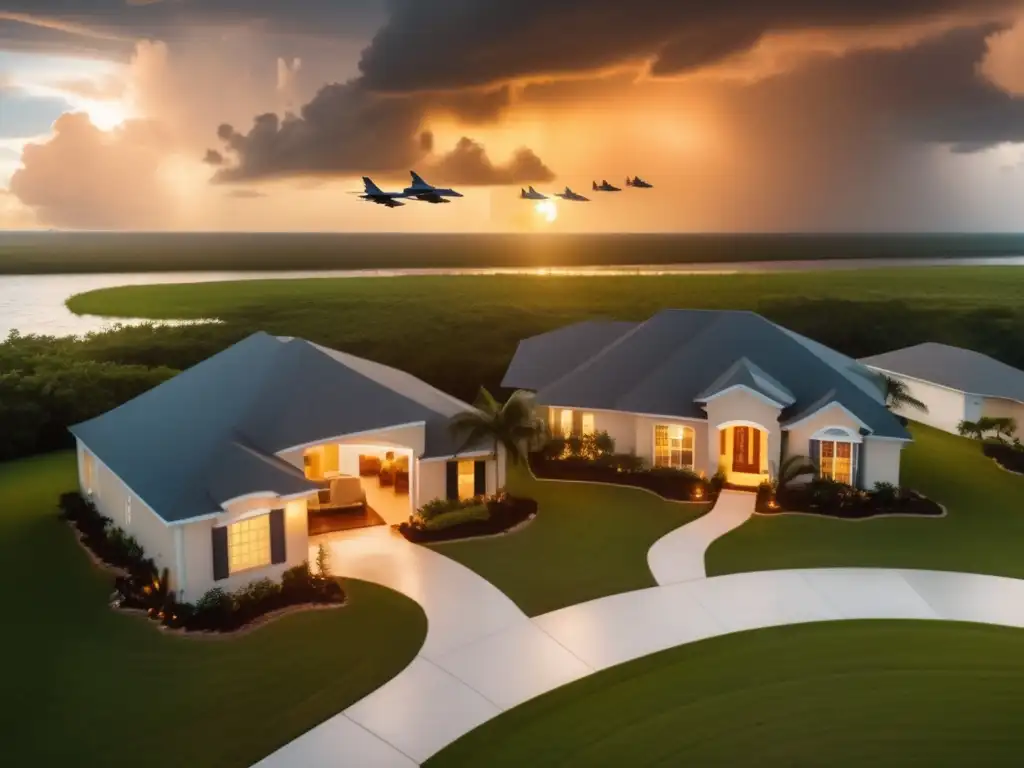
[
  {"x": 679, "y": 555},
  {"x": 482, "y": 655}
]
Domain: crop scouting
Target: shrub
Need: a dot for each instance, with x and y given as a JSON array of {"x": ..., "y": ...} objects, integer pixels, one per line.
[
  {"x": 436, "y": 507},
  {"x": 553, "y": 448},
  {"x": 213, "y": 611},
  {"x": 885, "y": 494},
  {"x": 622, "y": 462},
  {"x": 458, "y": 517}
]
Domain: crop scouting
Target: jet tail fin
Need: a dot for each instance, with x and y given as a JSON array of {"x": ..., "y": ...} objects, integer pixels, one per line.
[
  {"x": 595, "y": 185},
  {"x": 371, "y": 188},
  {"x": 417, "y": 180},
  {"x": 533, "y": 191}
]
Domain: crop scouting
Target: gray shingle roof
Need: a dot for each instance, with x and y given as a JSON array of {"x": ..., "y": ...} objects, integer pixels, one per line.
[
  {"x": 540, "y": 360},
  {"x": 961, "y": 369},
  {"x": 667, "y": 364},
  {"x": 210, "y": 434}
]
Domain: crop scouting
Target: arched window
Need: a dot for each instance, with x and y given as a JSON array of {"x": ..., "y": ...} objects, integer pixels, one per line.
[
  {"x": 836, "y": 452},
  {"x": 673, "y": 446}
]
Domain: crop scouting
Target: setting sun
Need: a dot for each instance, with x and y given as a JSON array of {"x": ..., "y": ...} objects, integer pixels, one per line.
[{"x": 547, "y": 209}]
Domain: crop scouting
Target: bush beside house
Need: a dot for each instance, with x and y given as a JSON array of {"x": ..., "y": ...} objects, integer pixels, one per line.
[
  {"x": 139, "y": 585},
  {"x": 831, "y": 499},
  {"x": 592, "y": 458},
  {"x": 448, "y": 519}
]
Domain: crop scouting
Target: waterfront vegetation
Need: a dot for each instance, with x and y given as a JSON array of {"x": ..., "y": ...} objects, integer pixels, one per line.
[{"x": 419, "y": 324}]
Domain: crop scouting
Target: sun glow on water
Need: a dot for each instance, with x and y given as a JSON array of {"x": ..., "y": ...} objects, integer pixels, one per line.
[{"x": 547, "y": 209}]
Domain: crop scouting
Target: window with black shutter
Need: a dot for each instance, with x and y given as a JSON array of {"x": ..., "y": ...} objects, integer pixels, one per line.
[
  {"x": 452, "y": 479},
  {"x": 277, "y": 536},
  {"x": 219, "y": 538}
]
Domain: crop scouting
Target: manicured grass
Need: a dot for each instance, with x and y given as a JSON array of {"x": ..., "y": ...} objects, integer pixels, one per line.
[
  {"x": 983, "y": 532},
  {"x": 419, "y": 324},
  {"x": 86, "y": 686},
  {"x": 836, "y": 694},
  {"x": 587, "y": 541}
]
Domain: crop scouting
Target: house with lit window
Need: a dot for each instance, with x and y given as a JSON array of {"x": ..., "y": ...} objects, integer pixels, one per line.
[
  {"x": 714, "y": 391},
  {"x": 227, "y": 472}
]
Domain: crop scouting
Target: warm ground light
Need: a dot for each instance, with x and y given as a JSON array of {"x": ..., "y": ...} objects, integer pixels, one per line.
[{"x": 90, "y": 687}]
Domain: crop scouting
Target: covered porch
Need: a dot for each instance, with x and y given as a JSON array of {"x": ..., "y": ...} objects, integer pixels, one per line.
[
  {"x": 747, "y": 454},
  {"x": 362, "y": 485}
]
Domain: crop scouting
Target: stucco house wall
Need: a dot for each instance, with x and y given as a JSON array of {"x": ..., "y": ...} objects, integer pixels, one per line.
[
  {"x": 197, "y": 547},
  {"x": 643, "y": 427},
  {"x": 880, "y": 461},
  {"x": 998, "y": 408},
  {"x": 433, "y": 478},
  {"x": 799, "y": 441},
  {"x": 111, "y": 497},
  {"x": 946, "y": 407}
]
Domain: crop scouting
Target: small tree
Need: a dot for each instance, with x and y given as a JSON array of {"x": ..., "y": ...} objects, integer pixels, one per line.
[
  {"x": 1004, "y": 427},
  {"x": 792, "y": 468},
  {"x": 323, "y": 562},
  {"x": 969, "y": 429},
  {"x": 985, "y": 425},
  {"x": 513, "y": 425},
  {"x": 897, "y": 394}
]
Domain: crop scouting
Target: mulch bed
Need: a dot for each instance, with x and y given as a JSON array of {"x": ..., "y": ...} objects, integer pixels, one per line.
[
  {"x": 663, "y": 485},
  {"x": 504, "y": 517},
  {"x": 857, "y": 508},
  {"x": 1006, "y": 456}
]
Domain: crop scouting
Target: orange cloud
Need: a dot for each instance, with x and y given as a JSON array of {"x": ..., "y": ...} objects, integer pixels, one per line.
[{"x": 1004, "y": 60}]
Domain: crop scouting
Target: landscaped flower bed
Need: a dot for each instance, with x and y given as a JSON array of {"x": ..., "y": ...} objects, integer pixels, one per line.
[
  {"x": 674, "y": 484},
  {"x": 830, "y": 499},
  {"x": 139, "y": 585},
  {"x": 442, "y": 520},
  {"x": 1009, "y": 456}
]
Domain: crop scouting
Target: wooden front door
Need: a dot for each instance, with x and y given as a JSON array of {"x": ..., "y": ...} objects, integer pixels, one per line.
[{"x": 746, "y": 450}]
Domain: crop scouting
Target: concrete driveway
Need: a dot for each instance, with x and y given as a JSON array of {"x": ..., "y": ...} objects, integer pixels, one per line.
[{"x": 482, "y": 655}]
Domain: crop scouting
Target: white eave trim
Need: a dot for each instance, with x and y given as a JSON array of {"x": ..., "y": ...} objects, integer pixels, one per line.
[
  {"x": 346, "y": 436},
  {"x": 457, "y": 456},
  {"x": 931, "y": 383},
  {"x": 759, "y": 395},
  {"x": 587, "y": 409},
  {"x": 830, "y": 404}
]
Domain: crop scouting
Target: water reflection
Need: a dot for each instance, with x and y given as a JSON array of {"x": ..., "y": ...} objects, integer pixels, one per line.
[{"x": 35, "y": 303}]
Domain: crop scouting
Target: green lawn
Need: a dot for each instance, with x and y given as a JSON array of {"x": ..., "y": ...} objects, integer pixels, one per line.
[
  {"x": 86, "y": 686},
  {"x": 398, "y": 321},
  {"x": 983, "y": 533},
  {"x": 867, "y": 693},
  {"x": 587, "y": 541}
]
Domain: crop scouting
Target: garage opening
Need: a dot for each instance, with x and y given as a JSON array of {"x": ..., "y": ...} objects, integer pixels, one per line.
[{"x": 362, "y": 486}]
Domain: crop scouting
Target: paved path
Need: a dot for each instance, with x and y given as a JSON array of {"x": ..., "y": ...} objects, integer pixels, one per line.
[
  {"x": 679, "y": 555},
  {"x": 482, "y": 655}
]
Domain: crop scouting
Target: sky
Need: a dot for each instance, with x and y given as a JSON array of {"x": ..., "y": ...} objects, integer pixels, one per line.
[{"x": 746, "y": 115}]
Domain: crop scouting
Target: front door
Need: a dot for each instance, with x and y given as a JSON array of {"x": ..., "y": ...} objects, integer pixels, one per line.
[{"x": 746, "y": 450}]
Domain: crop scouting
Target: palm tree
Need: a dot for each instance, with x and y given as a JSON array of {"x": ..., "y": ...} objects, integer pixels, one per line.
[
  {"x": 792, "y": 468},
  {"x": 897, "y": 394},
  {"x": 513, "y": 425}
]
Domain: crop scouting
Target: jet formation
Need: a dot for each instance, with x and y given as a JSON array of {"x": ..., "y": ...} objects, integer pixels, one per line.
[
  {"x": 636, "y": 183},
  {"x": 419, "y": 190}
]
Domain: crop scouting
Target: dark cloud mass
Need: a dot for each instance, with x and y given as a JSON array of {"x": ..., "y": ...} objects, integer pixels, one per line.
[
  {"x": 498, "y": 40},
  {"x": 347, "y": 130}
]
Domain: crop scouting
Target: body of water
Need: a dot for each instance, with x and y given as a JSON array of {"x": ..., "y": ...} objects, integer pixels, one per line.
[{"x": 35, "y": 303}]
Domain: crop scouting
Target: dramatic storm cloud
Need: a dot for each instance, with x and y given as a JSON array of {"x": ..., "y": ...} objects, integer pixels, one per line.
[{"x": 487, "y": 42}]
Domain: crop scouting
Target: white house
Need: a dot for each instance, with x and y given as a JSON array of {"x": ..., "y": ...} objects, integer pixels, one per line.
[
  {"x": 714, "y": 390},
  {"x": 956, "y": 384},
  {"x": 222, "y": 472}
]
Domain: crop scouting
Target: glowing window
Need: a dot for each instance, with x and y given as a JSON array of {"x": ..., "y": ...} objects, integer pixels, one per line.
[
  {"x": 673, "y": 446},
  {"x": 467, "y": 479},
  {"x": 249, "y": 544},
  {"x": 566, "y": 423},
  {"x": 87, "y": 471},
  {"x": 837, "y": 461},
  {"x": 588, "y": 423}
]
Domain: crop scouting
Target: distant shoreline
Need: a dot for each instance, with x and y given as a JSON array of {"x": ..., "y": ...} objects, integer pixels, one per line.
[{"x": 25, "y": 253}]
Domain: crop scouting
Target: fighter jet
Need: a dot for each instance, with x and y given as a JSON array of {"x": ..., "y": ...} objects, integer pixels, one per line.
[
  {"x": 570, "y": 195},
  {"x": 533, "y": 194},
  {"x": 604, "y": 186},
  {"x": 375, "y": 194},
  {"x": 639, "y": 183},
  {"x": 428, "y": 193}
]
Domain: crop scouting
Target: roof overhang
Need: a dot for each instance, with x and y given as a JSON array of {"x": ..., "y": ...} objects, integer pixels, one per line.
[
  {"x": 825, "y": 407},
  {"x": 736, "y": 387}
]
